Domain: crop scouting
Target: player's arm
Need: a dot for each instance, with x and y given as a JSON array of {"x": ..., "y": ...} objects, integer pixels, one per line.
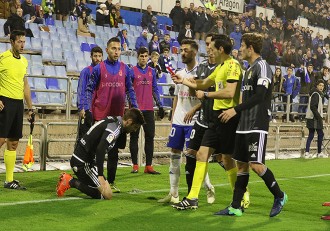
[
  {"x": 227, "y": 93},
  {"x": 131, "y": 96},
  {"x": 93, "y": 82},
  {"x": 81, "y": 91},
  {"x": 27, "y": 97},
  {"x": 189, "y": 116},
  {"x": 200, "y": 84}
]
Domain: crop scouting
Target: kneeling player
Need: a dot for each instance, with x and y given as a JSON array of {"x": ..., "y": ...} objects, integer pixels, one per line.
[{"x": 88, "y": 157}]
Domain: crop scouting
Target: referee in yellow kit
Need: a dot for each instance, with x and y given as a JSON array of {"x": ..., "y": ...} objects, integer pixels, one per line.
[{"x": 14, "y": 87}]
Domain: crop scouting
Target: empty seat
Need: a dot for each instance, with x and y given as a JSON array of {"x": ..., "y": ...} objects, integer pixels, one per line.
[
  {"x": 71, "y": 66},
  {"x": 55, "y": 98},
  {"x": 33, "y": 97},
  {"x": 31, "y": 82},
  {"x": 42, "y": 97},
  {"x": 125, "y": 59},
  {"x": 3, "y": 47},
  {"x": 57, "y": 55},
  {"x": 85, "y": 47},
  {"x": 74, "y": 84},
  {"x": 36, "y": 60},
  {"x": 79, "y": 56},
  {"x": 92, "y": 28},
  {"x": 60, "y": 71},
  {"x": 40, "y": 83},
  {"x": 36, "y": 70},
  {"x": 90, "y": 40},
  {"x": 52, "y": 84},
  {"x": 47, "y": 54},
  {"x": 44, "y": 35},
  {"x": 27, "y": 43},
  {"x": 58, "y": 24},
  {"x": 46, "y": 43},
  {"x": 68, "y": 55},
  {"x": 87, "y": 55},
  {"x": 49, "y": 71},
  {"x": 74, "y": 100},
  {"x": 99, "y": 41},
  {"x": 36, "y": 44},
  {"x": 81, "y": 39},
  {"x": 66, "y": 46}
]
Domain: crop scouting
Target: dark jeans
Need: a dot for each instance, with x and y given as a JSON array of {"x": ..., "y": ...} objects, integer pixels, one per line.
[
  {"x": 320, "y": 135},
  {"x": 285, "y": 99},
  {"x": 149, "y": 134}
]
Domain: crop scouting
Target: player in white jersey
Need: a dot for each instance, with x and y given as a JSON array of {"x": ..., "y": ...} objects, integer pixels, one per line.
[{"x": 185, "y": 106}]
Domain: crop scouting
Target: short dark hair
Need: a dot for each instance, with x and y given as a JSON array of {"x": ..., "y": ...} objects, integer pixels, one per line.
[
  {"x": 209, "y": 35},
  {"x": 15, "y": 34},
  {"x": 290, "y": 68},
  {"x": 136, "y": 115},
  {"x": 166, "y": 49},
  {"x": 253, "y": 39},
  {"x": 113, "y": 39},
  {"x": 222, "y": 40},
  {"x": 142, "y": 50},
  {"x": 190, "y": 42},
  {"x": 96, "y": 49}
]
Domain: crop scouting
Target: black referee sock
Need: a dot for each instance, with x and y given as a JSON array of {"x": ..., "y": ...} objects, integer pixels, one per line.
[
  {"x": 271, "y": 183},
  {"x": 89, "y": 191},
  {"x": 240, "y": 188},
  {"x": 190, "y": 169}
]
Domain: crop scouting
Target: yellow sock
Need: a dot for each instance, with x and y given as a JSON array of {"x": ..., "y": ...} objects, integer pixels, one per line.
[
  {"x": 232, "y": 176},
  {"x": 10, "y": 160},
  {"x": 199, "y": 175}
]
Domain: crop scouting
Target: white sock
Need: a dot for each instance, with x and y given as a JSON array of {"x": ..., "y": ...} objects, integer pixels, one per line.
[
  {"x": 175, "y": 173},
  {"x": 207, "y": 182}
]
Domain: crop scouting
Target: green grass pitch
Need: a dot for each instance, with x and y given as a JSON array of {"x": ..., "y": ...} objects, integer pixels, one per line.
[{"x": 307, "y": 183}]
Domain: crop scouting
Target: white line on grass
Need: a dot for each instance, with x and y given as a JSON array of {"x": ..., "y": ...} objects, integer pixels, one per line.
[
  {"x": 39, "y": 201},
  {"x": 220, "y": 185},
  {"x": 136, "y": 191}
]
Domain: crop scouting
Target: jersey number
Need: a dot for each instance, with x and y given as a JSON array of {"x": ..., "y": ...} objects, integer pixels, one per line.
[
  {"x": 192, "y": 134},
  {"x": 172, "y": 132}
]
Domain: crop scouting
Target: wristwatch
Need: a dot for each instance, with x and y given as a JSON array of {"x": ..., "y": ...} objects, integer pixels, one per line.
[{"x": 206, "y": 94}]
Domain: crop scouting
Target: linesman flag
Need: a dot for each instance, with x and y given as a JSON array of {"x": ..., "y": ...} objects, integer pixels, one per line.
[{"x": 28, "y": 160}]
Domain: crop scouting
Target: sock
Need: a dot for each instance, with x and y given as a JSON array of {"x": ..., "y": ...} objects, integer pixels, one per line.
[
  {"x": 10, "y": 160},
  {"x": 271, "y": 183},
  {"x": 190, "y": 169},
  {"x": 207, "y": 182},
  {"x": 175, "y": 173},
  {"x": 199, "y": 176},
  {"x": 86, "y": 189},
  {"x": 232, "y": 176},
  {"x": 240, "y": 188}
]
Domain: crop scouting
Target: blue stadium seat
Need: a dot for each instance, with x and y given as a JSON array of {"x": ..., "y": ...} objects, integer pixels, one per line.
[
  {"x": 27, "y": 43},
  {"x": 70, "y": 31},
  {"x": 49, "y": 71},
  {"x": 47, "y": 54},
  {"x": 58, "y": 23},
  {"x": 60, "y": 71},
  {"x": 42, "y": 97},
  {"x": 66, "y": 46},
  {"x": 56, "y": 44},
  {"x": 90, "y": 40},
  {"x": 106, "y": 30},
  {"x": 56, "y": 98},
  {"x": 180, "y": 65},
  {"x": 34, "y": 97},
  {"x": 74, "y": 100},
  {"x": 36, "y": 44},
  {"x": 52, "y": 29},
  {"x": 125, "y": 59},
  {"x": 28, "y": 70},
  {"x": 114, "y": 30},
  {"x": 31, "y": 82},
  {"x": 68, "y": 55},
  {"x": 79, "y": 56},
  {"x": 139, "y": 28},
  {"x": 75, "y": 46},
  {"x": 57, "y": 54},
  {"x": 92, "y": 45},
  {"x": 81, "y": 39},
  {"x": 46, "y": 43},
  {"x": 3, "y": 47},
  {"x": 133, "y": 60},
  {"x": 55, "y": 37},
  {"x": 44, "y": 35},
  {"x": 52, "y": 84},
  {"x": 99, "y": 29},
  {"x": 99, "y": 41},
  {"x": 36, "y": 60},
  {"x": 28, "y": 57},
  {"x": 85, "y": 47},
  {"x": 92, "y": 28},
  {"x": 74, "y": 84},
  {"x": 87, "y": 55},
  {"x": 40, "y": 83},
  {"x": 81, "y": 65},
  {"x": 71, "y": 66}
]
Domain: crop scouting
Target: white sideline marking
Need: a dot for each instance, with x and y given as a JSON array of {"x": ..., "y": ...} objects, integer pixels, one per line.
[
  {"x": 226, "y": 184},
  {"x": 39, "y": 201},
  {"x": 150, "y": 191}
]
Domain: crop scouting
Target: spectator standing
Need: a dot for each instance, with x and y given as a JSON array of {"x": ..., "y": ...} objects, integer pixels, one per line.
[
  {"x": 48, "y": 7},
  {"x": 277, "y": 90},
  {"x": 290, "y": 12},
  {"x": 113, "y": 18},
  {"x": 102, "y": 16},
  {"x": 14, "y": 88},
  {"x": 63, "y": 9},
  {"x": 109, "y": 85},
  {"x": 122, "y": 35},
  {"x": 165, "y": 60},
  {"x": 307, "y": 81},
  {"x": 14, "y": 5},
  {"x": 16, "y": 22},
  {"x": 145, "y": 86},
  {"x": 153, "y": 26},
  {"x": 142, "y": 40},
  {"x": 82, "y": 6},
  {"x": 176, "y": 15},
  {"x": 153, "y": 62},
  {"x": 291, "y": 88},
  {"x": 201, "y": 20},
  {"x": 154, "y": 44},
  {"x": 218, "y": 28},
  {"x": 185, "y": 33},
  {"x": 314, "y": 118},
  {"x": 109, "y": 5},
  {"x": 237, "y": 36},
  {"x": 29, "y": 12},
  {"x": 85, "y": 116},
  {"x": 83, "y": 29},
  {"x": 146, "y": 17},
  {"x": 187, "y": 16},
  {"x": 166, "y": 43}
]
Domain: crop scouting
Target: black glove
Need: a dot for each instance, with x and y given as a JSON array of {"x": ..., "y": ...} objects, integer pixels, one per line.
[{"x": 161, "y": 113}]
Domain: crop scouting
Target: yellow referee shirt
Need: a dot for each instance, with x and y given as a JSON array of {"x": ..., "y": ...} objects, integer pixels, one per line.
[
  {"x": 12, "y": 72},
  {"x": 229, "y": 70}
]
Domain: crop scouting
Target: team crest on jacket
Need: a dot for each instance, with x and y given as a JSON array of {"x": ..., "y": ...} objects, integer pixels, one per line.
[
  {"x": 139, "y": 76},
  {"x": 110, "y": 138},
  {"x": 120, "y": 73}
]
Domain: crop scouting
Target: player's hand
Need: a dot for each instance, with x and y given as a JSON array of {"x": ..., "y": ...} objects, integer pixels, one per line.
[
  {"x": 189, "y": 116},
  {"x": 105, "y": 188},
  {"x": 2, "y": 106},
  {"x": 200, "y": 94},
  {"x": 31, "y": 117},
  {"x": 225, "y": 116},
  {"x": 177, "y": 79},
  {"x": 191, "y": 79},
  {"x": 82, "y": 113},
  {"x": 161, "y": 113}
]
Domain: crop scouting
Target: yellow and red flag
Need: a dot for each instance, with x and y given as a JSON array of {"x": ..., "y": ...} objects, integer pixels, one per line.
[{"x": 28, "y": 160}]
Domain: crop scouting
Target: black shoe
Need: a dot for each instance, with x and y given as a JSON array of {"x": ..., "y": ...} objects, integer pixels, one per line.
[
  {"x": 13, "y": 185},
  {"x": 186, "y": 204}
]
